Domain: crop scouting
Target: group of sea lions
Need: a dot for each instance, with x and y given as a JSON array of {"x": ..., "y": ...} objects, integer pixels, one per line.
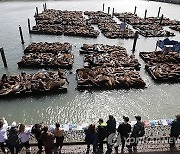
[
  {"x": 153, "y": 30},
  {"x": 175, "y": 27},
  {"x": 55, "y": 47},
  {"x": 163, "y": 66},
  {"x": 63, "y": 22},
  {"x": 108, "y": 25},
  {"x": 133, "y": 19},
  {"x": 113, "y": 59},
  {"x": 47, "y": 60},
  {"x": 31, "y": 83},
  {"x": 109, "y": 77},
  {"x": 149, "y": 26},
  {"x": 109, "y": 66},
  {"x": 100, "y": 48}
]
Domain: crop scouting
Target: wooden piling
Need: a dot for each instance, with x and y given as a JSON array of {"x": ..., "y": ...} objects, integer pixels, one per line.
[
  {"x": 113, "y": 12},
  {"x": 45, "y": 6},
  {"x": 135, "y": 40},
  {"x": 21, "y": 35},
  {"x": 29, "y": 25},
  {"x": 108, "y": 9},
  {"x": 161, "y": 19},
  {"x": 159, "y": 11},
  {"x": 3, "y": 57},
  {"x": 145, "y": 14},
  {"x": 103, "y": 6},
  {"x": 135, "y": 9},
  {"x": 37, "y": 11}
]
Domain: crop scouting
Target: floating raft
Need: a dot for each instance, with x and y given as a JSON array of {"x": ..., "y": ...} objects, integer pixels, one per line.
[
  {"x": 100, "y": 48},
  {"x": 108, "y": 25},
  {"x": 47, "y": 60},
  {"x": 106, "y": 55},
  {"x": 162, "y": 67},
  {"x": 57, "y": 22},
  {"x": 133, "y": 19},
  {"x": 32, "y": 84},
  {"x": 108, "y": 78},
  {"x": 46, "y": 47},
  {"x": 152, "y": 30},
  {"x": 148, "y": 26}
]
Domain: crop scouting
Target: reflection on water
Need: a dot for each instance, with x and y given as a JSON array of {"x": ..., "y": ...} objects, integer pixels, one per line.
[{"x": 156, "y": 101}]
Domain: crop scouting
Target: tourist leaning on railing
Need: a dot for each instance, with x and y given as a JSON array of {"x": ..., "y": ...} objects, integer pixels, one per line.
[
  {"x": 48, "y": 140},
  {"x": 175, "y": 131},
  {"x": 58, "y": 133},
  {"x": 37, "y": 131},
  {"x": 24, "y": 136}
]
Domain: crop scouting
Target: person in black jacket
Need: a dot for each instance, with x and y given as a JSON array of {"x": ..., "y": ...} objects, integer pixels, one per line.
[
  {"x": 138, "y": 131},
  {"x": 91, "y": 138},
  {"x": 124, "y": 130},
  {"x": 13, "y": 140},
  {"x": 175, "y": 131},
  {"x": 37, "y": 131},
  {"x": 111, "y": 128},
  {"x": 101, "y": 134}
]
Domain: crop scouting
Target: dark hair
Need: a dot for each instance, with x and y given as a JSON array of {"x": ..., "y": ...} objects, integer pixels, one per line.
[
  {"x": 126, "y": 118},
  {"x": 45, "y": 129},
  {"x": 57, "y": 125},
  {"x": 111, "y": 117},
  {"x": 1, "y": 123},
  {"x": 101, "y": 120},
  {"x": 91, "y": 128},
  {"x": 138, "y": 118}
]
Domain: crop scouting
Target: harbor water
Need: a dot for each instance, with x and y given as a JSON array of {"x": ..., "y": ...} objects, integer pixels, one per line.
[{"x": 156, "y": 101}]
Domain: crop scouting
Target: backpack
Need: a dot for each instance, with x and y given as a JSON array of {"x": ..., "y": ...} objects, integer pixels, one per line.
[{"x": 141, "y": 131}]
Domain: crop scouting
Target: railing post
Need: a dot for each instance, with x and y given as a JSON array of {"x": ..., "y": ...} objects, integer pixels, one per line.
[
  {"x": 37, "y": 11},
  {"x": 3, "y": 57}
]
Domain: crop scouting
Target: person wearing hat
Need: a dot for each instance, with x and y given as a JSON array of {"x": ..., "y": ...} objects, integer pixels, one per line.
[
  {"x": 138, "y": 131},
  {"x": 13, "y": 140},
  {"x": 124, "y": 130},
  {"x": 101, "y": 133},
  {"x": 175, "y": 131}
]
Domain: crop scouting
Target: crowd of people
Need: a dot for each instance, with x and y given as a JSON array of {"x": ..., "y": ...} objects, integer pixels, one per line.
[{"x": 17, "y": 136}]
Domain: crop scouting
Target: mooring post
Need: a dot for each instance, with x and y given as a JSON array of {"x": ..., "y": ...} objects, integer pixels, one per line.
[
  {"x": 103, "y": 7},
  {"x": 159, "y": 11},
  {"x": 29, "y": 25},
  {"x": 135, "y": 9},
  {"x": 3, "y": 57},
  {"x": 145, "y": 14},
  {"x": 45, "y": 6},
  {"x": 113, "y": 12},
  {"x": 161, "y": 19},
  {"x": 20, "y": 31},
  {"x": 37, "y": 11},
  {"x": 108, "y": 9},
  {"x": 135, "y": 40}
]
